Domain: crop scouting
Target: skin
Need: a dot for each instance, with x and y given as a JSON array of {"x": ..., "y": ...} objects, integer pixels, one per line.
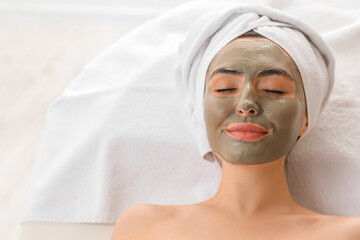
[{"x": 253, "y": 200}]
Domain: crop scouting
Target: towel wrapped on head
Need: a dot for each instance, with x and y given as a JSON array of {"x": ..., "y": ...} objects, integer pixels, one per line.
[{"x": 214, "y": 30}]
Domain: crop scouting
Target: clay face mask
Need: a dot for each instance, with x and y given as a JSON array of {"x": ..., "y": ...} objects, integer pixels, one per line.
[{"x": 254, "y": 103}]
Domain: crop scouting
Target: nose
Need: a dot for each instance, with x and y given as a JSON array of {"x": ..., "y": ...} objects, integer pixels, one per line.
[
  {"x": 247, "y": 112},
  {"x": 247, "y": 105}
]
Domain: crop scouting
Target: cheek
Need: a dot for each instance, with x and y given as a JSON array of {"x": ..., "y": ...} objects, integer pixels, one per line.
[
  {"x": 216, "y": 110},
  {"x": 285, "y": 115}
]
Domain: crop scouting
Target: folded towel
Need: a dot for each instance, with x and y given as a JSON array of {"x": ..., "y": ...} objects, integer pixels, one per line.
[{"x": 117, "y": 136}]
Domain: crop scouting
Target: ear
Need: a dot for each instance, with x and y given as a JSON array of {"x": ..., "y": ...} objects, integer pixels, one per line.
[{"x": 304, "y": 126}]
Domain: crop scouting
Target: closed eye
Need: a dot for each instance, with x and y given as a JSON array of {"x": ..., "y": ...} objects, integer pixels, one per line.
[
  {"x": 273, "y": 91},
  {"x": 225, "y": 90}
]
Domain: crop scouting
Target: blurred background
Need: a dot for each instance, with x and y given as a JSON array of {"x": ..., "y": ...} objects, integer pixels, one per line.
[{"x": 44, "y": 45}]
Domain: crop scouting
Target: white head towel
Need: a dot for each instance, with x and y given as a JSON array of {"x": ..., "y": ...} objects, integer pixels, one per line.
[{"x": 214, "y": 30}]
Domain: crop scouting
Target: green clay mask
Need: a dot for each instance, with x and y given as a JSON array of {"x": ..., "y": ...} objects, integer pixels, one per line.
[{"x": 253, "y": 80}]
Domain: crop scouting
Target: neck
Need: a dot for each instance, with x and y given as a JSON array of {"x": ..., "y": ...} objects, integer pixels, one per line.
[{"x": 254, "y": 189}]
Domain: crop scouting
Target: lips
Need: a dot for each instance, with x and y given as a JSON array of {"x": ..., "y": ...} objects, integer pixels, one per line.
[{"x": 246, "y": 131}]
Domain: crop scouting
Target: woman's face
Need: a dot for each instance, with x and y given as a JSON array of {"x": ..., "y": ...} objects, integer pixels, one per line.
[{"x": 253, "y": 81}]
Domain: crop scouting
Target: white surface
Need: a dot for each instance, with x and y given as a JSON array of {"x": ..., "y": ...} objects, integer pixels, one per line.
[
  {"x": 38, "y": 60},
  {"x": 68, "y": 231},
  {"x": 344, "y": 4},
  {"x": 88, "y": 14}
]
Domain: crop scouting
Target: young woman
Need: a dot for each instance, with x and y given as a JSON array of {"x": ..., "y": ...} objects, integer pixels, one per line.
[{"x": 255, "y": 109}]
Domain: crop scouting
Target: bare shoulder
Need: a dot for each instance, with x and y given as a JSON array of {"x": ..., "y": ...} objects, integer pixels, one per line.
[
  {"x": 137, "y": 221},
  {"x": 340, "y": 227},
  {"x": 350, "y": 226}
]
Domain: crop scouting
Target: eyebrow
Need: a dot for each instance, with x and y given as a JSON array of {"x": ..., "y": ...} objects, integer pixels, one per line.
[
  {"x": 274, "y": 71},
  {"x": 264, "y": 73},
  {"x": 227, "y": 71}
]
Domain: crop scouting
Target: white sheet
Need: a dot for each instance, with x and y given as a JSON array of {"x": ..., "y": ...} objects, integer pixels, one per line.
[{"x": 114, "y": 138}]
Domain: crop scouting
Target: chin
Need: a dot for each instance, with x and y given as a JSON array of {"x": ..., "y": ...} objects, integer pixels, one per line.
[{"x": 247, "y": 160}]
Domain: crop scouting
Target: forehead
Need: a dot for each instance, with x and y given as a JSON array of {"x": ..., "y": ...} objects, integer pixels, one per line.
[{"x": 252, "y": 52}]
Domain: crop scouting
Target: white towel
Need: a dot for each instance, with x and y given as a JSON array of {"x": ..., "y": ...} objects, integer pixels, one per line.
[{"x": 116, "y": 136}]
